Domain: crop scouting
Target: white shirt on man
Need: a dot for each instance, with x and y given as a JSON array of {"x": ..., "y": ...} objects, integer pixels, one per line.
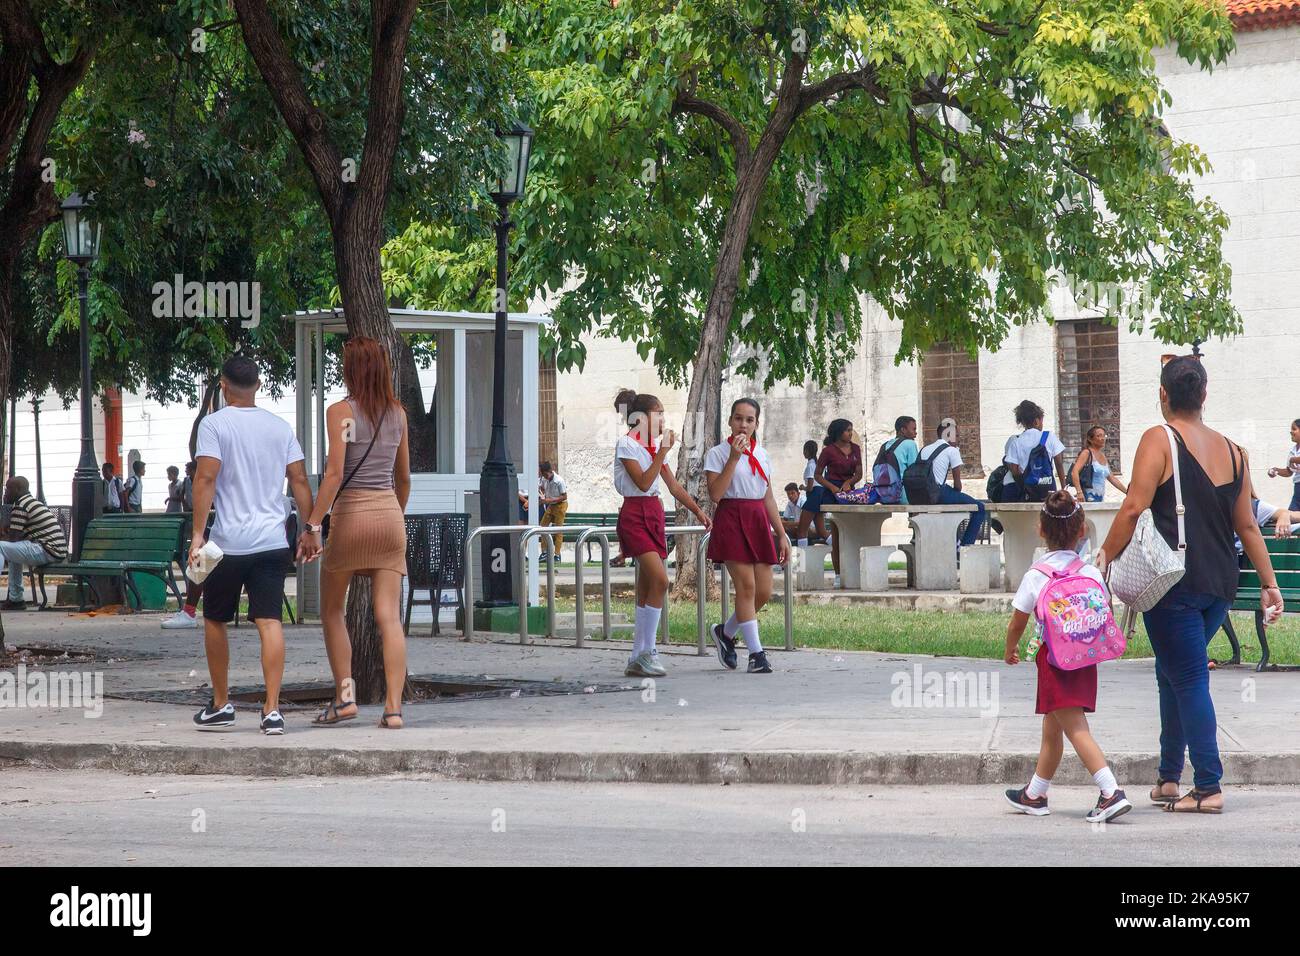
[
  {"x": 629, "y": 448},
  {"x": 255, "y": 447},
  {"x": 552, "y": 487},
  {"x": 1019, "y": 447},
  {"x": 944, "y": 461},
  {"x": 745, "y": 483}
]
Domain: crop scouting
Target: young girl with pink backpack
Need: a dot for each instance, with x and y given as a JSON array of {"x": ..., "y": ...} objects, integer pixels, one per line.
[{"x": 1075, "y": 631}]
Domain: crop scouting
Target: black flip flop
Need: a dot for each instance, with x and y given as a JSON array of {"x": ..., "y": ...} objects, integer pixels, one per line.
[
  {"x": 1198, "y": 797},
  {"x": 383, "y": 721}
]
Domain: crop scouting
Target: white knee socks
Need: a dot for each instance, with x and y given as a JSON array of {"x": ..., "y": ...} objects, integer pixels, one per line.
[
  {"x": 1106, "y": 781},
  {"x": 1038, "y": 787},
  {"x": 749, "y": 631},
  {"x": 645, "y": 624},
  {"x": 730, "y": 626}
]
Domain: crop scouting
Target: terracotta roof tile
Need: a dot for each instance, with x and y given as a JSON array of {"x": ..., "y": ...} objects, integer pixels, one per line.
[{"x": 1263, "y": 14}]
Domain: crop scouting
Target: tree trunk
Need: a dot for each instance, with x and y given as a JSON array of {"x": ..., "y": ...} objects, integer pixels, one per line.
[{"x": 701, "y": 425}]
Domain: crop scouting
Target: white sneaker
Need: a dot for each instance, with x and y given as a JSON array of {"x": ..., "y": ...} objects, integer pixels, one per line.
[
  {"x": 643, "y": 665},
  {"x": 178, "y": 620},
  {"x": 660, "y": 670}
]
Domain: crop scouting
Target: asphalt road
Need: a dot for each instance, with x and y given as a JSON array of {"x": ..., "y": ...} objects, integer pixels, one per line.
[{"x": 105, "y": 819}]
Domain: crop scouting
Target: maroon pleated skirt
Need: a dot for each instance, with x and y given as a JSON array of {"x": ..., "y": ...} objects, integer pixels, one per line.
[
  {"x": 641, "y": 527},
  {"x": 741, "y": 532},
  {"x": 1058, "y": 689}
]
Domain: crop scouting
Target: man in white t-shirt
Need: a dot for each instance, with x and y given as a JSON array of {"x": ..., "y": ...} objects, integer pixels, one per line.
[
  {"x": 244, "y": 454},
  {"x": 1292, "y": 467},
  {"x": 947, "y": 464}
]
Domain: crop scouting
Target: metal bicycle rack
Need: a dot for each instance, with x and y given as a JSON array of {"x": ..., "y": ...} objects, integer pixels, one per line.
[{"x": 601, "y": 534}]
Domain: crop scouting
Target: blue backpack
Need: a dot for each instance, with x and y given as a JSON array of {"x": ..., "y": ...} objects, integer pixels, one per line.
[
  {"x": 1039, "y": 481},
  {"x": 886, "y": 480}
]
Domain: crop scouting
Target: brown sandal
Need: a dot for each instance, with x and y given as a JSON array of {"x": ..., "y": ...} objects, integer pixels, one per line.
[
  {"x": 384, "y": 721},
  {"x": 1163, "y": 799},
  {"x": 1198, "y": 796}
]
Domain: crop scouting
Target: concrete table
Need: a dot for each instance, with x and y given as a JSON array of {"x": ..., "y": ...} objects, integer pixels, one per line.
[
  {"x": 1020, "y": 531},
  {"x": 934, "y": 535}
]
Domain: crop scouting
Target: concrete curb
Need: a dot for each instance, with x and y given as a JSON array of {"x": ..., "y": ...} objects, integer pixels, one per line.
[{"x": 778, "y": 767}]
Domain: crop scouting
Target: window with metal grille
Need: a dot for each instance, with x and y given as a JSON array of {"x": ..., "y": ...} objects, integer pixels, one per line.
[
  {"x": 950, "y": 388},
  {"x": 1087, "y": 376},
  {"x": 548, "y": 433}
]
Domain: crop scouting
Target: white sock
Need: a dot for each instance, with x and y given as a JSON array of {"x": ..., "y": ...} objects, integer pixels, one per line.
[
  {"x": 1038, "y": 787},
  {"x": 644, "y": 625},
  {"x": 1106, "y": 781},
  {"x": 730, "y": 626},
  {"x": 802, "y": 543},
  {"x": 749, "y": 631}
]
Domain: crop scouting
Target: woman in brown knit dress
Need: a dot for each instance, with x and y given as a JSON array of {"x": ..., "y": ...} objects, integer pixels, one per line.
[{"x": 364, "y": 490}]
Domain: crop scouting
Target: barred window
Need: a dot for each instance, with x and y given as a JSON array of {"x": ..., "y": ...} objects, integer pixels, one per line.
[
  {"x": 548, "y": 437},
  {"x": 1087, "y": 375},
  {"x": 950, "y": 388}
]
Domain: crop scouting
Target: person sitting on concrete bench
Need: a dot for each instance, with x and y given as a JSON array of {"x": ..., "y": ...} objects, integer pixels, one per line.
[
  {"x": 790, "y": 513},
  {"x": 33, "y": 537}
]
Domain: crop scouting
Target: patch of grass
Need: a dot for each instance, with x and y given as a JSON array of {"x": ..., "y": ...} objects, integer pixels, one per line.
[{"x": 942, "y": 633}]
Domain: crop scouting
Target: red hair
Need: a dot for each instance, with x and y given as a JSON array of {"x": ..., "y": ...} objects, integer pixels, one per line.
[{"x": 368, "y": 377}]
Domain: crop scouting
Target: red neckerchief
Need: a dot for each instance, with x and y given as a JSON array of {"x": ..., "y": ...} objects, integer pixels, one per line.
[
  {"x": 649, "y": 442},
  {"x": 754, "y": 467}
]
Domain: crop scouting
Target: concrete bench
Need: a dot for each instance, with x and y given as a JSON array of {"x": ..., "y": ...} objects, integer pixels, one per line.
[
  {"x": 873, "y": 567},
  {"x": 980, "y": 569},
  {"x": 810, "y": 569}
]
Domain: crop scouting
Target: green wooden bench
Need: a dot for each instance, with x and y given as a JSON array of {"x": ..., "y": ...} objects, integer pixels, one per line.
[
  {"x": 597, "y": 519},
  {"x": 1285, "y": 556},
  {"x": 122, "y": 546}
]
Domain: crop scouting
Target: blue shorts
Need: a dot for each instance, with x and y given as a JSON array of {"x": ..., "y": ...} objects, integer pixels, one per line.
[{"x": 813, "y": 503}]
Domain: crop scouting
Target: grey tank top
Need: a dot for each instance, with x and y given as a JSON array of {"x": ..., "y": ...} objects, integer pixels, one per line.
[{"x": 376, "y": 473}]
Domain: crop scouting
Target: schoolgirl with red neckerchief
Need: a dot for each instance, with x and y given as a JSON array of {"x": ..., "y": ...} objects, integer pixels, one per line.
[
  {"x": 747, "y": 532},
  {"x": 639, "y": 463}
]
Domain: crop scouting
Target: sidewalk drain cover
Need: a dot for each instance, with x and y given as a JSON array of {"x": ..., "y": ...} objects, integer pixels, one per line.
[{"x": 428, "y": 689}]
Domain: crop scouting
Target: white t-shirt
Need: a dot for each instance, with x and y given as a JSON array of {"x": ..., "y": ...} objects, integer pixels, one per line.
[
  {"x": 552, "y": 487},
  {"x": 1295, "y": 469},
  {"x": 1019, "y": 447},
  {"x": 809, "y": 471},
  {"x": 944, "y": 462},
  {"x": 791, "y": 510},
  {"x": 745, "y": 483},
  {"x": 1032, "y": 584},
  {"x": 629, "y": 447},
  {"x": 254, "y": 447}
]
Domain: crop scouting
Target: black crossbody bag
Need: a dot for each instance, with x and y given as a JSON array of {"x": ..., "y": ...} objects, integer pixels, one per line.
[{"x": 325, "y": 522}]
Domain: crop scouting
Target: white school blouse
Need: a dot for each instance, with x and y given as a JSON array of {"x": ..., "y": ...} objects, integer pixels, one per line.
[
  {"x": 744, "y": 482},
  {"x": 629, "y": 447}
]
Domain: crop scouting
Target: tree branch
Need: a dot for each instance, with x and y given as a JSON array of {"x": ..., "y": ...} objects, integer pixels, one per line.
[
  {"x": 687, "y": 102},
  {"x": 284, "y": 83}
]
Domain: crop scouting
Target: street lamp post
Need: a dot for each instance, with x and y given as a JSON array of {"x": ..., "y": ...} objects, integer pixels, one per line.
[
  {"x": 498, "y": 485},
  {"x": 81, "y": 230}
]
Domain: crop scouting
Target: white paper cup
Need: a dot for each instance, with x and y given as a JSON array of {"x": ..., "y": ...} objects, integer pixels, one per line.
[{"x": 209, "y": 557}]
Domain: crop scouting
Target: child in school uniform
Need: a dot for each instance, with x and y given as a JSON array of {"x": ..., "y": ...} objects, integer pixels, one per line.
[
  {"x": 639, "y": 463},
  {"x": 745, "y": 525},
  {"x": 812, "y": 491},
  {"x": 1064, "y": 696}
]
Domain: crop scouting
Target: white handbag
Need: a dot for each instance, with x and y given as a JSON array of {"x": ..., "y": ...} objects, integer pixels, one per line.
[{"x": 1145, "y": 571}]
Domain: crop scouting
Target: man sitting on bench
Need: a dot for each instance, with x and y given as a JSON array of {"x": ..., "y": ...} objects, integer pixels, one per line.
[{"x": 32, "y": 538}]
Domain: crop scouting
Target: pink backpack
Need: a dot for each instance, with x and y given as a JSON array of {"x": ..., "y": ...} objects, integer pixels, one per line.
[{"x": 1075, "y": 619}]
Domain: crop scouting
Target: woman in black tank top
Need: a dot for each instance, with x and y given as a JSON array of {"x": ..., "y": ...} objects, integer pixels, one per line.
[{"x": 1215, "y": 481}]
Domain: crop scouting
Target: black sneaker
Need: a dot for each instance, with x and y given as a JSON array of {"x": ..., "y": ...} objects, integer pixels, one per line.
[
  {"x": 1035, "y": 807},
  {"x": 1108, "y": 808},
  {"x": 726, "y": 647},
  {"x": 212, "y": 719},
  {"x": 272, "y": 724},
  {"x": 13, "y": 606},
  {"x": 758, "y": 663}
]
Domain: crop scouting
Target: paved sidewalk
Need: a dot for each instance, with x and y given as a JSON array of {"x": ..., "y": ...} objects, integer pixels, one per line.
[{"x": 824, "y": 717}]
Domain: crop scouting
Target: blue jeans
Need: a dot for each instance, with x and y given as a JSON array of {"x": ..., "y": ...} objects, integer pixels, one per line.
[
  {"x": 948, "y": 496},
  {"x": 17, "y": 554},
  {"x": 1180, "y": 628}
]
